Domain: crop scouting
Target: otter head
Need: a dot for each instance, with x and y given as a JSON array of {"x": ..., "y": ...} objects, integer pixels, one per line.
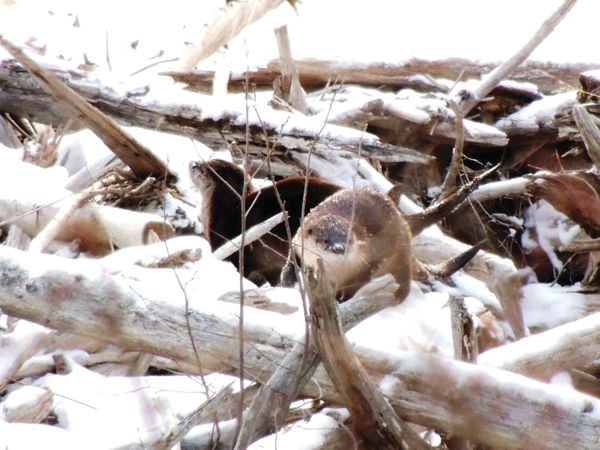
[
  {"x": 207, "y": 175},
  {"x": 329, "y": 237}
]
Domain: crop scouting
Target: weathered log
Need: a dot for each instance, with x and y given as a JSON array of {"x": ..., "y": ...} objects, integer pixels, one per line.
[
  {"x": 194, "y": 115},
  {"x": 372, "y": 414},
  {"x": 542, "y": 355},
  {"x": 414, "y": 73},
  {"x": 97, "y": 227},
  {"x": 72, "y": 298}
]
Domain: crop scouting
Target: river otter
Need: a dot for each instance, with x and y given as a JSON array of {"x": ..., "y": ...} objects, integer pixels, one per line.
[
  {"x": 221, "y": 184},
  {"x": 360, "y": 234}
]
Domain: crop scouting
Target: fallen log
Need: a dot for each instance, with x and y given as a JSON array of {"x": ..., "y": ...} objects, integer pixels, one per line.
[
  {"x": 435, "y": 392},
  {"x": 415, "y": 73},
  {"x": 202, "y": 117}
]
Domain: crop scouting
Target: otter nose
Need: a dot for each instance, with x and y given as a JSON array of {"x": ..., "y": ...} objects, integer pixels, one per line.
[{"x": 336, "y": 247}]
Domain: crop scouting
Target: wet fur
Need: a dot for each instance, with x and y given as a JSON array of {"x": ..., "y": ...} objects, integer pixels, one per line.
[{"x": 378, "y": 237}]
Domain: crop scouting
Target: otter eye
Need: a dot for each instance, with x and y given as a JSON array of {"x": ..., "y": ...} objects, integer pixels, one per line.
[{"x": 309, "y": 231}]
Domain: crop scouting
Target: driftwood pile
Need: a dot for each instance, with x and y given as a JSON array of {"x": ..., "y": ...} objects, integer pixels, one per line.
[{"x": 424, "y": 126}]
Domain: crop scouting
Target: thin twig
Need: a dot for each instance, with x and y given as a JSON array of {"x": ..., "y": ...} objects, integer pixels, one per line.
[{"x": 240, "y": 412}]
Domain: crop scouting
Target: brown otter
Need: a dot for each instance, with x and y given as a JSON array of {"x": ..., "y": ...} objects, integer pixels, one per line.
[
  {"x": 360, "y": 234},
  {"x": 221, "y": 185}
]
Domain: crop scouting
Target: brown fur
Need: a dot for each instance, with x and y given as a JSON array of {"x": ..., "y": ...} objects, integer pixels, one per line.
[
  {"x": 360, "y": 234},
  {"x": 221, "y": 186}
]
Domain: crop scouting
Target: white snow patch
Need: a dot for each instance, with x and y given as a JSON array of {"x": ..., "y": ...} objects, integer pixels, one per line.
[
  {"x": 134, "y": 409},
  {"x": 304, "y": 435},
  {"x": 421, "y": 323},
  {"x": 547, "y": 306},
  {"x": 541, "y": 112},
  {"x": 552, "y": 229},
  {"x": 562, "y": 379},
  {"x": 26, "y": 436}
]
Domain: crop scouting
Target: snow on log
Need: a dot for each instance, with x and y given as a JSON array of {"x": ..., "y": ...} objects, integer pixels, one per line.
[
  {"x": 136, "y": 310},
  {"x": 414, "y": 73},
  {"x": 214, "y": 122},
  {"x": 545, "y": 354},
  {"x": 98, "y": 227}
]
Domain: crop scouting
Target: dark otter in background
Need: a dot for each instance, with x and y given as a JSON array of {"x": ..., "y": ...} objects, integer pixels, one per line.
[
  {"x": 221, "y": 185},
  {"x": 360, "y": 234}
]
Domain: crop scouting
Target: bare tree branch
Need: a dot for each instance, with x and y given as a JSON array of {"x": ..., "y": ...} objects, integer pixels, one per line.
[
  {"x": 491, "y": 81},
  {"x": 140, "y": 159}
]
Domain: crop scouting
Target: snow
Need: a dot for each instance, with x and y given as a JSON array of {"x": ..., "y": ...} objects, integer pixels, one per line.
[
  {"x": 134, "y": 409},
  {"x": 304, "y": 435},
  {"x": 421, "y": 323},
  {"x": 547, "y": 306},
  {"x": 76, "y": 150},
  {"x": 25, "y": 436},
  {"x": 549, "y": 229},
  {"x": 540, "y": 113}
]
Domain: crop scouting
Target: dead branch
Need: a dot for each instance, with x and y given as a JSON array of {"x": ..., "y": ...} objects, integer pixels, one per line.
[
  {"x": 457, "y": 152},
  {"x": 506, "y": 285},
  {"x": 372, "y": 414},
  {"x": 16, "y": 360},
  {"x": 140, "y": 159},
  {"x": 589, "y": 133},
  {"x": 419, "y": 221},
  {"x": 464, "y": 333},
  {"x": 493, "y": 79},
  {"x": 251, "y": 235},
  {"x": 291, "y": 90},
  {"x": 204, "y": 411},
  {"x": 464, "y": 337},
  {"x": 63, "y": 215},
  {"x": 227, "y": 24},
  {"x": 301, "y": 363}
]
